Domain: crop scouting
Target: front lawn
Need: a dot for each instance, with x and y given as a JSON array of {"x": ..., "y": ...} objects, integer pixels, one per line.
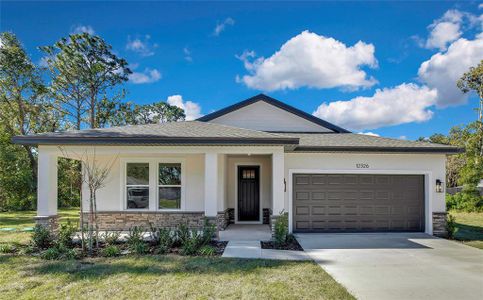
[
  {"x": 470, "y": 228},
  {"x": 165, "y": 277},
  {"x": 24, "y": 220}
]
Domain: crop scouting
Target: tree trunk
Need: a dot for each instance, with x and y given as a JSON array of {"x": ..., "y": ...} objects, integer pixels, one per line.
[{"x": 91, "y": 221}]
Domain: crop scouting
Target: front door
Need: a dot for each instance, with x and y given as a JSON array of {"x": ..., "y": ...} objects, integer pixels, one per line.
[{"x": 249, "y": 193}]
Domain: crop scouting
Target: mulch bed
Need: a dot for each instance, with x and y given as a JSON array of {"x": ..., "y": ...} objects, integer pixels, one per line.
[{"x": 292, "y": 245}]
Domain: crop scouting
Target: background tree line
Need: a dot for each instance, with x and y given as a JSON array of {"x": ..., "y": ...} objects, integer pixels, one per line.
[{"x": 81, "y": 86}]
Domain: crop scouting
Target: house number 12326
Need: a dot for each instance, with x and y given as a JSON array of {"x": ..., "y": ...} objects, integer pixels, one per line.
[{"x": 362, "y": 166}]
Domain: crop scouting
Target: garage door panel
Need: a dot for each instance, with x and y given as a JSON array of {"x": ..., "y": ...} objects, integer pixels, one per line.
[{"x": 355, "y": 202}]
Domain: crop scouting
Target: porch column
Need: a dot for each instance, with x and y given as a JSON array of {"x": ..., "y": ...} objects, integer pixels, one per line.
[
  {"x": 278, "y": 185},
  {"x": 211, "y": 184},
  {"x": 47, "y": 190}
]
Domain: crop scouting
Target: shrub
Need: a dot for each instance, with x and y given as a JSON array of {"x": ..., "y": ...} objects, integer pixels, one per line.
[
  {"x": 468, "y": 200},
  {"x": 136, "y": 235},
  {"x": 281, "y": 230},
  {"x": 182, "y": 233},
  {"x": 207, "y": 250},
  {"x": 139, "y": 248},
  {"x": 208, "y": 232},
  {"x": 192, "y": 244},
  {"x": 451, "y": 226},
  {"x": 51, "y": 253},
  {"x": 111, "y": 238},
  {"x": 111, "y": 251},
  {"x": 59, "y": 251},
  {"x": 165, "y": 240},
  {"x": 7, "y": 248},
  {"x": 65, "y": 234},
  {"x": 41, "y": 237}
]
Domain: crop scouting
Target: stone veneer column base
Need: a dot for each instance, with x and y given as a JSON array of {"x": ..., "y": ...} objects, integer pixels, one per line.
[
  {"x": 439, "y": 224},
  {"x": 273, "y": 219},
  {"x": 223, "y": 219},
  {"x": 49, "y": 222}
]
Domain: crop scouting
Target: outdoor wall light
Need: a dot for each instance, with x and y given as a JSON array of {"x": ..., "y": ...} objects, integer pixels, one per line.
[{"x": 439, "y": 186}]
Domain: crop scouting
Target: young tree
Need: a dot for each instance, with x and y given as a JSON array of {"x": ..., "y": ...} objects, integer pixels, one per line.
[
  {"x": 94, "y": 176},
  {"x": 85, "y": 72}
]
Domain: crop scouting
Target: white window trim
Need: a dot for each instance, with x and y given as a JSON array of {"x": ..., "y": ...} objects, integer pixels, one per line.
[{"x": 153, "y": 182}]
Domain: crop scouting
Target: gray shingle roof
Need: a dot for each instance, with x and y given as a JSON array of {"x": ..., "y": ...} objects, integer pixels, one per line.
[
  {"x": 205, "y": 133},
  {"x": 187, "y": 132},
  {"x": 363, "y": 143}
]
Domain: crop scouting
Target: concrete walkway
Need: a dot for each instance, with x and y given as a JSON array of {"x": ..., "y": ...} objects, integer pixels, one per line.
[
  {"x": 246, "y": 232},
  {"x": 253, "y": 249},
  {"x": 398, "y": 265}
]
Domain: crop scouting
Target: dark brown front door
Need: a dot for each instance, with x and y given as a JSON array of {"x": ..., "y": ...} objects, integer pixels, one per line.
[{"x": 248, "y": 193}]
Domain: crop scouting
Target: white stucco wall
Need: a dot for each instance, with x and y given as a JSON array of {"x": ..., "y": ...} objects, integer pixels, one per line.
[
  {"x": 430, "y": 165},
  {"x": 111, "y": 197},
  {"x": 263, "y": 116}
]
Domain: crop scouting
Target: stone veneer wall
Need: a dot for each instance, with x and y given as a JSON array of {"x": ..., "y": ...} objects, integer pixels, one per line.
[
  {"x": 123, "y": 220},
  {"x": 49, "y": 222},
  {"x": 223, "y": 219},
  {"x": 266, "y": 215},
  {"x": 439, "y": 224}
]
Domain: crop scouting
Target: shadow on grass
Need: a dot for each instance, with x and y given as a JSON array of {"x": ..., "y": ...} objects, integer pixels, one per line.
[
  {"x": 469, "y": 232},
  {"x": 153, "y": 265}
]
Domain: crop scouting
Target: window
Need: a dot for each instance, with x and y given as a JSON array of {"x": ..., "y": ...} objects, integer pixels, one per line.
[
  {"x": 137, "y": 185},
  {"x": 248, "y": 174},
  {"x": 169, "y": 186}
]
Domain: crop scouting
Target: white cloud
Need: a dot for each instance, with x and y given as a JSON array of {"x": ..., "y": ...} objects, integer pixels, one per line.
[
  {"x": 141, "y": 45},
  {"x": 83, "y": 28},
  {"x": 445, "y": 30},
  {"x": 403, "y": 137},
  {"x": 369, "y": 133},
  {"x": 220, "y": 27},
  {"x": 310, "y": 60},
  {"x": 148, "y": 76},
  {"x": 191, "y": 109},
  {"x": 187, "y": 54},
  {"x": 404, "y": 103},
  {"x": 442, "y": 70},
  {"x": 480, "y": 6}
]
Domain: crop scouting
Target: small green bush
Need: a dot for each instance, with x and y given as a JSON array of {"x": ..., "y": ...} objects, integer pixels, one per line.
[
  {"x": 7, "y": 248},
  {"x": 139, "y": 248},
  {"x": 66, "y": 232},
  {"x": 41, "y": 237},
  {"x": 207, "y": 250},
  {"x": 111, "y": 238},
  {"x": 208, "y": 232},
  {"x": 182, "y": 233},
  {"x": 281, "y": 230},
  {"x": 51, "y": 254},
  {"x": 191, "y": 245},
  {"x": 111, "y": 251},
  {"x": 451, "y": 226},
  {"x": 59, "y": 251}
]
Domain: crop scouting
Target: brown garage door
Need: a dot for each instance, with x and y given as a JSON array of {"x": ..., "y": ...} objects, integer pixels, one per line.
[{"x": 355, "y": 203}]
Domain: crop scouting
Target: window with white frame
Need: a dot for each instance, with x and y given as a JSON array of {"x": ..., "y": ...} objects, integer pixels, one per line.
[
  {"x": 137, "y": 185},
  {"x": 169, "y": 186}
]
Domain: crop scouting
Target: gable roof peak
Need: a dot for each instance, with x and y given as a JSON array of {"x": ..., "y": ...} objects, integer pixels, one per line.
[{"x": 276, "y": 103}]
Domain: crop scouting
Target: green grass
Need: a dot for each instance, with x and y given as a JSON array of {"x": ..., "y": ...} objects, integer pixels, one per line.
[
  {"x": 23, "y": 219},
  {"x": 470, "y": 228},
  {"x": 165, "y": 277}
]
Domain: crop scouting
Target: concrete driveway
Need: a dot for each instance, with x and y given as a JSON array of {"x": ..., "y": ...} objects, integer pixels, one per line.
[{"x": 398, "y": 265}]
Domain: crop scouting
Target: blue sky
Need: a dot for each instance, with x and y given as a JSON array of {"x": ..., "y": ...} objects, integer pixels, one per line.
[{"x": 382, "y": 67}]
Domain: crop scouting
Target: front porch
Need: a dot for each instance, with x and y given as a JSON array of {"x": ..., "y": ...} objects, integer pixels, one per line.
[{"x": 212, "y": 183}]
